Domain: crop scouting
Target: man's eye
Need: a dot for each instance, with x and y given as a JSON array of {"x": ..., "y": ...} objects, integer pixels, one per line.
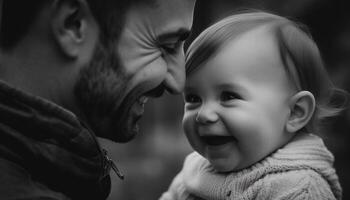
[
  {"x": 191, "y": 98},
  {"x": 171, "y": 47},
  {"x": 228, "y": 96}
]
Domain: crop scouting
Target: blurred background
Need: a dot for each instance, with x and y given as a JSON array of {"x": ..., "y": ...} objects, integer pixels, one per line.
[{"x": 153, "y": 158}]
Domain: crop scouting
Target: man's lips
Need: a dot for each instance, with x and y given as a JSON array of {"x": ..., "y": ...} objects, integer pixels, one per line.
[
  {"x": 139, "y": 107},
  {"x": 139, "y": 104},
  {"x": 142, "y": 100},
  {"x": 156, "y": 92},
  {"x": 217, "y": 140}
]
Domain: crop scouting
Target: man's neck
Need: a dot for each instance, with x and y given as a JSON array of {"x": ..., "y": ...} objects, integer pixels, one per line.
[{"x": 28, "y": 73}]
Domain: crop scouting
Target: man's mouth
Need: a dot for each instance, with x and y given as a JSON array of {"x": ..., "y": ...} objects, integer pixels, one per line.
[
  {"x": 142, "y": 100},
  {"x": 217, "y": 140},
  {"x": 156, "y": 92},
  {"x": 139, "y": 105}
]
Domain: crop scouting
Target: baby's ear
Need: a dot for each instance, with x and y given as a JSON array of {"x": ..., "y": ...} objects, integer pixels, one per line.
[{"x": 302, "y": 107}]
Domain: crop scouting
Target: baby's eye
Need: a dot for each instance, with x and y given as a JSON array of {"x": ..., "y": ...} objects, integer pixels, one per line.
[
  {"x": 192, "y": 98},
  {"x": 228, "y": 96}
]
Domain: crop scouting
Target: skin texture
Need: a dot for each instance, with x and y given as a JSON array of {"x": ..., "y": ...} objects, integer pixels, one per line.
[
  {"x": 147, "y": 60},
  {"x": 243, "y": 93},
  {"x": 62, "y": 58}
]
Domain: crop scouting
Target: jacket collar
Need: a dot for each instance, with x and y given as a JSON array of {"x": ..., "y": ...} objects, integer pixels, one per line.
[{"x": 52, "y": 144}]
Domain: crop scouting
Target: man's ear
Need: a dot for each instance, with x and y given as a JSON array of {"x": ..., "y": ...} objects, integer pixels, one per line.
[
  {"x": 71, "y": 23},
  {"x": 302, "y": 107}
]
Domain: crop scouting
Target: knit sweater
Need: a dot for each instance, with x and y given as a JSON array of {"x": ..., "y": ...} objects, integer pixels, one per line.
[{"x": 302, "y": 169}]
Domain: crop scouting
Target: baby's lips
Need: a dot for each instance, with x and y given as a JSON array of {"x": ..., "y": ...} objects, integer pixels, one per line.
[{"x": 217, "y": 140}]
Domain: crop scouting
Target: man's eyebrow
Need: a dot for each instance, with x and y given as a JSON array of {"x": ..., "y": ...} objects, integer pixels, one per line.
[{"x": 181, "y": 35}]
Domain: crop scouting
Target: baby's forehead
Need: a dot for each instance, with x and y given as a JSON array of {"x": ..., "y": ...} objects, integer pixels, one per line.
[
  {"x": 255, "y": 51},
  {"x": 248, "y": 62},
  {"x": 252, "y": 56},
  {"x": 259, "y": 40}
]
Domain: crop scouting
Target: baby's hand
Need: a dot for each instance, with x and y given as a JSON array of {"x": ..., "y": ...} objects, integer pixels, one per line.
[
  {"x": 176, "y": 190},
  {"x": 167, "y": 196},
  {"x": 180, "y": 189},
  {"x": 199, "y": 178},
  {"x": 194, "y": 168}
]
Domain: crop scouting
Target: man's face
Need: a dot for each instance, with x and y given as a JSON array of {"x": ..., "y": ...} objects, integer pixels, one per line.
[{"x": 147, "y": 60}]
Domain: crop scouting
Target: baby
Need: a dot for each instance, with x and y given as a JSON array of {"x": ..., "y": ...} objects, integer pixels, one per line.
[{"x": 256, "y": 90}]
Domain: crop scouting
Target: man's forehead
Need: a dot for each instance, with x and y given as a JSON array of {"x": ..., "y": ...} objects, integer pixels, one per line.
[
  {"x": 174, "y": 3},
  {"x": 168, "y": 9},
  {"x": 167, "y": 18}
]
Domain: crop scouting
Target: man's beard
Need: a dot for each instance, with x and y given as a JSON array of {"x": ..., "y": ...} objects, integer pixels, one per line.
[{"x": 100, "y": 93}]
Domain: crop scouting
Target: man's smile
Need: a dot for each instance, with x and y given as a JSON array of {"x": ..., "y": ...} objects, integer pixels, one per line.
[{"x": 142, "y": 101}]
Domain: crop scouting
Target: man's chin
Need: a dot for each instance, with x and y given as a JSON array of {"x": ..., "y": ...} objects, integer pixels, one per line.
[
  {"x": 121, "y": 134},
  {"x": 126, "y": 135}
]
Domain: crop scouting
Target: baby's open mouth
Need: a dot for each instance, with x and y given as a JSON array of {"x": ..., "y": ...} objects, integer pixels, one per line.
[{"x": 217, "y": 140}]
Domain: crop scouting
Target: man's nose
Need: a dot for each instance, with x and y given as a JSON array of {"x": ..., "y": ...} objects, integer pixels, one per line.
[
  {"x": 175, "y": 77},
  {"x": 207, "y": 114}
]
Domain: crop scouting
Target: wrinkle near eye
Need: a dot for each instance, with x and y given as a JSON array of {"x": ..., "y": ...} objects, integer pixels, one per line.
[
  {"x": 144, "y": 57},
  {"x": 175, "y": 36}
]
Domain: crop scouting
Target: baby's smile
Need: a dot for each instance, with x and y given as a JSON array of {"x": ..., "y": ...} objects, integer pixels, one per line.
[{"x": 217, "y": 140}]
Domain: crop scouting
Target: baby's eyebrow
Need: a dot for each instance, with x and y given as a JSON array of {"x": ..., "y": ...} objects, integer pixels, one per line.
[
  {"x": 230, "y": 86},
  {"x": 227, "y": 86},
  {"x": 189, "y": 88}
]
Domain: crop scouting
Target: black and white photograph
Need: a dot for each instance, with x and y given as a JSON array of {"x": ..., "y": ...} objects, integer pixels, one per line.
[{"x": 174, "y": 100}]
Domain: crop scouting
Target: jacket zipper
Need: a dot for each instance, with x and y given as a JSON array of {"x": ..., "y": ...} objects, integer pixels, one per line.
[
  {"x": 110, "y": 164},
  {"x": 107, "y": 163}
]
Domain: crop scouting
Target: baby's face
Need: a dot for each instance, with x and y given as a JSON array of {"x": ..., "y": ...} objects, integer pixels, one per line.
[{"x": 237, "y": 104}]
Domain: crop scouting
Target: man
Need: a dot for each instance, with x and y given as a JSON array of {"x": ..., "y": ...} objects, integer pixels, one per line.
[{"x": 70, "y": 69}]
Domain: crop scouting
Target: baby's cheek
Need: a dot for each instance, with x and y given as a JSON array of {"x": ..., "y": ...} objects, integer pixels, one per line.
[
  {"x": 189, "y": 127},
  {"x": 240, "y": 124},
  {"x": 188, "y": 123},
  {"x": 246, "y": 128}
]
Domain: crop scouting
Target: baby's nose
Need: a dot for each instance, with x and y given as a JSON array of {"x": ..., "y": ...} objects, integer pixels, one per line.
[{"x": 207, "y": 114}]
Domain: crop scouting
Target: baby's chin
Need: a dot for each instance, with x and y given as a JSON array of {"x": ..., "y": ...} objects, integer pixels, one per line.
[
  {"x": 222, "y": 167},
  {"x": 229, "y": 167}
]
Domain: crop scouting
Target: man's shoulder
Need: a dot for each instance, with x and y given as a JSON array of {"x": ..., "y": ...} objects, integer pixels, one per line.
[{"x": 17, "y": 183}]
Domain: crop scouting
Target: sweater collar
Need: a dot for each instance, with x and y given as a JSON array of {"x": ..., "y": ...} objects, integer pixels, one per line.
[
  {"x": 305, "y": 151},
  {"x": 51, "y": 143}
]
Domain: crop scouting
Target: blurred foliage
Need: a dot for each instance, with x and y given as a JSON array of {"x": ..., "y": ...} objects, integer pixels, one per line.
[{"x": 155, "y": 156}]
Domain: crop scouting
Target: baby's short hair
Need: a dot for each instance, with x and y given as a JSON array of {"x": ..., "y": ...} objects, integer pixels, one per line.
[{"x": 298, "y": 51}]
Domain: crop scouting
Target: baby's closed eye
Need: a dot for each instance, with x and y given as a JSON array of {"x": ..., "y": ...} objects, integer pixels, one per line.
[
  {"x": 192, "y": 98},
  {"x": 228, "y": 95}
]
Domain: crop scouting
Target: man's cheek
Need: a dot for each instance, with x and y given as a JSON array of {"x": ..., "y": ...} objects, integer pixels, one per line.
[{"x": 133, "y": 61}]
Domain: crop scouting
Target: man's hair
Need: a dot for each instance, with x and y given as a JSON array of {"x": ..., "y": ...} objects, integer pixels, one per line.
[
  {"x": 306, "y": 69},
  {"x": 18, "y": 16}
]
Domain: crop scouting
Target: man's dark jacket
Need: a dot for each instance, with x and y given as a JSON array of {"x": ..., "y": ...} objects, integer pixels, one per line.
[{"x": 46, "y": 152}]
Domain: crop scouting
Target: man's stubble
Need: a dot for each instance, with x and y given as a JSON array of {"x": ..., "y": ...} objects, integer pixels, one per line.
[{"x": 100, "y": 93}]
